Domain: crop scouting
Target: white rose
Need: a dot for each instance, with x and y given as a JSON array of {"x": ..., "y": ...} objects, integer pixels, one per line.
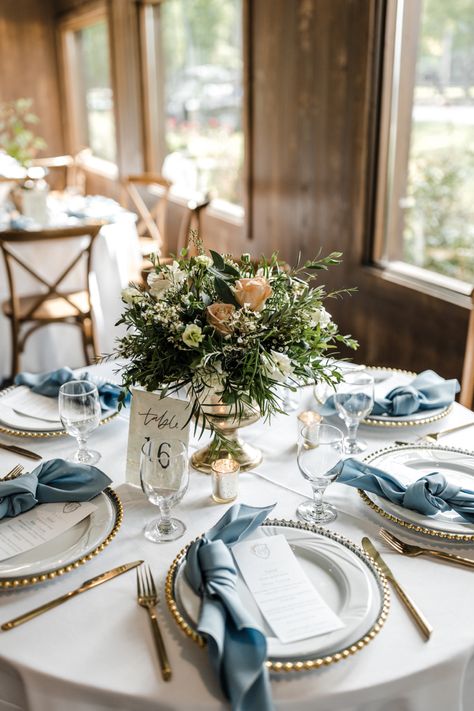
[
  {"x": 204, "y": 260},
  {"x": 321, "y": 316},
  {"x": 176, "y": 274},
  {"x": 277, "y": 366},
  {"x": 130, "y": 294},
  {"x": 158, "y": 284}
]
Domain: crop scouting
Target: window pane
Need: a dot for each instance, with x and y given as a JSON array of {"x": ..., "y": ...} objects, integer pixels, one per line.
[
  {"x": 93, "y": 56},
  {"x": 202, "y": 50}
]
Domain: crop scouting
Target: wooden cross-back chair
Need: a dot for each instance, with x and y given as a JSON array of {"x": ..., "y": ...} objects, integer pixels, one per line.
[
  {"x": 51, "y": 306},
  {"x": 74, "y": 176},
  {"x": 191, "y": 220},
  {"x": 466, "y": 397},
  {"x": 151, "y": 226}
]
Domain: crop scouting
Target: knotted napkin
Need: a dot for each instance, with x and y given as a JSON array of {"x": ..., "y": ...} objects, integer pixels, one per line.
[
  {"x": 429, "y": 495},
  {"x": 427, "y": 391},
  {"x": 49, "y": 384},
  {"x": 237, "y": 647},
  {"x": 51, "y": 482}
]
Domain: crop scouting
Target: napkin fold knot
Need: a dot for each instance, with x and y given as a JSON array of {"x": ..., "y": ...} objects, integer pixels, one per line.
[
  {"x": 51, "y": 482},
  {"x": 237, "y": 647},
  {"x": 49, "y": 384},
  {"x": 429, "y": 494},
  {"x": 427, "y": 391}
]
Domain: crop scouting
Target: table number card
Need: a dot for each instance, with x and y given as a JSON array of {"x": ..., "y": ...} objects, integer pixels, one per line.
[{"x": 155, "y": 418}]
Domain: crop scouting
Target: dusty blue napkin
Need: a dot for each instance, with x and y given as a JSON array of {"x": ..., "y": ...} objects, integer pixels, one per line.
[
  {"x": 429, "y": 494},
  {"x": 427, "y": 391},
  {"x": 237, "y": 647},
  {"x": 53, "y": 481},
  {"x": 49, "y": 384}
]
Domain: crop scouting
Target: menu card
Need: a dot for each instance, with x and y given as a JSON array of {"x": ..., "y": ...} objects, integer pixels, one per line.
[
  {"x": 39, "y": 525},
  {"x": 155, "y": 418},
  {"x": 291, "y": 605},
  {"x": 23, "y": 400}
]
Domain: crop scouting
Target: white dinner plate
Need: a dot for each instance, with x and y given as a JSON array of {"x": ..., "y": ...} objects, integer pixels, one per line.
[
  {"x": 457, "y": 465},
  {"x": 22, "y": 399},
  {"x": 337, "y": 570},
  {"x": 69, "y": 549},
  {"x": 322, "y": 391}
]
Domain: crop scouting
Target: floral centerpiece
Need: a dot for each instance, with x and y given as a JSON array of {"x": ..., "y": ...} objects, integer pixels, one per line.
[{"x": 231, "y": 333}]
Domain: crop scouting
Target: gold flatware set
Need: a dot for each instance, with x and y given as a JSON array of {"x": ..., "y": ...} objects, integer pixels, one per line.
[
  {"x": 413, "y": 551},
  {"x": 21, "y": 451},
  {"x": 147, "y": 597},
  {"x": 410, "y": 605}
]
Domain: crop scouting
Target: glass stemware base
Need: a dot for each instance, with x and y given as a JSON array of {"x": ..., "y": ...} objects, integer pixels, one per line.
[
  {"x": 90, "y": 456},
  {"x": 308, "y": 513},
  {"x": 354, "y": 447},
  {"x": 160, "y": 532}
]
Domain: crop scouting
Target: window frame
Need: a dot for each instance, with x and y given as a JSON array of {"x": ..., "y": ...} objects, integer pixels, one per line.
[
  {"x": 154, "y": 149},
  {"x": 75, "y": 118},
  {"x": 395, "y": 55}
]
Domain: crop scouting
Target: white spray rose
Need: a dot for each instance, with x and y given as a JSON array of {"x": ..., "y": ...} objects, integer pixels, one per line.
[
  {"x": 158, "y": 284},
  {"x": 321, "y": 317},
  {"x": 130, "y": 294},
  {"x": 204, "y": 260},
  {"x": 277, "y": 366}
]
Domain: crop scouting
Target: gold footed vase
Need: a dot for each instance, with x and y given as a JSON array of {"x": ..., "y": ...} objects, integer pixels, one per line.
[{"x": 227, "y": 421}]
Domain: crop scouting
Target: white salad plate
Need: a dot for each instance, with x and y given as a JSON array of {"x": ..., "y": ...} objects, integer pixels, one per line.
[
  {"x": 65, "y": 552},
  {"x": 20, "y": 399},
  {"x": 456, "y": 465},
  {"x": 339, "y": 570}
]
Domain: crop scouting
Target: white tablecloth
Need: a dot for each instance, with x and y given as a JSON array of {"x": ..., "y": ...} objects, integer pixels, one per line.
[
  {"x": 116, "y": 254},
  {"x": 96, "y": 652}
]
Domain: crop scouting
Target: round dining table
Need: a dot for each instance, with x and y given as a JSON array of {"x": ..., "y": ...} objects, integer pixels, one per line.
[{"x": 96, "y": 653}]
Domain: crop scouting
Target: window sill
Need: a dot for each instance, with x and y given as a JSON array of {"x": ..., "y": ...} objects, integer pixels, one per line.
[
  {"x": 432, "y": 284},
  {"x": 101, "y": 167},
  {"x": 218, "y": 209}
]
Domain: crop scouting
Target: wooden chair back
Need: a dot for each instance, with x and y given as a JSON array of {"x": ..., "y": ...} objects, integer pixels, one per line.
[
  {"x": 51, "y": 304},
  {"x": 466, "y": 397},
  {"x": 74, "y": 176},
  {"x": 152, "y": 221},
  {"x": 191, "y": 221}
]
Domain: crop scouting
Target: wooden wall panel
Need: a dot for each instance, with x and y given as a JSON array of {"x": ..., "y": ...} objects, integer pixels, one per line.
[{"x": 28, "y": 66}]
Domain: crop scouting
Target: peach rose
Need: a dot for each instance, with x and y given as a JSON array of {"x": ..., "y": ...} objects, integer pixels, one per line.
[
  {"x": 218, "y": 316},
  {"x": 253, "y": 292}
]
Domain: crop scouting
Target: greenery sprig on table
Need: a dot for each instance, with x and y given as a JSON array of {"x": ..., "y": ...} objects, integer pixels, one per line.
[{"x": 240, "y": 327}]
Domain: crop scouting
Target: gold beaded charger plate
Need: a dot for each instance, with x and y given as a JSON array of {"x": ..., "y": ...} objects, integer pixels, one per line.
[
  {"x": 396, "y": 377},
  {"x": 68, "y": 551},
  {"x": 17, "y": 399},
  {"x": 343, "y": 574},
  {"x": 457, "y": 465}
]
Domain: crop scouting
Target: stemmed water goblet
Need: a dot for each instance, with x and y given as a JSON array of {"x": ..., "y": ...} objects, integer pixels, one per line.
[
  {"x": 164, "y": 477},
  {"x": 354, "y": 400},
  {"x": 320, "y": 462},
  {"x": 79, "y": 412}
]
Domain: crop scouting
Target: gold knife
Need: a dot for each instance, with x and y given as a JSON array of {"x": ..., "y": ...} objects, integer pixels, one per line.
[
  {"x": 414, "y": 611},
  {"x": 19, "y": 450},
  {"x": 87, "y": 585}
]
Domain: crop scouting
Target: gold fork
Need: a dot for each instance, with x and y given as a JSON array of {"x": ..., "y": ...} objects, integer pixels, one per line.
[
  {"x": 148, "y": 598},
  {"x": 13, "y": 473},
  {"x": 410, "y": 550},
  {"x": 434, "y": 436}
]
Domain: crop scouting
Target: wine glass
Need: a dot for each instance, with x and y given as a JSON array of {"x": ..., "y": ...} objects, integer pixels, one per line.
[
  {"x": 320, "y": 462},
  {"x": 79, "y": 412},
  {"x": 354, "y": 400},
  {"x": 164, "y": 476}
]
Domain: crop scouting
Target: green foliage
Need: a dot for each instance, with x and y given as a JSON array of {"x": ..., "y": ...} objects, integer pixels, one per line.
[{"x": 17, "y": 137}]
